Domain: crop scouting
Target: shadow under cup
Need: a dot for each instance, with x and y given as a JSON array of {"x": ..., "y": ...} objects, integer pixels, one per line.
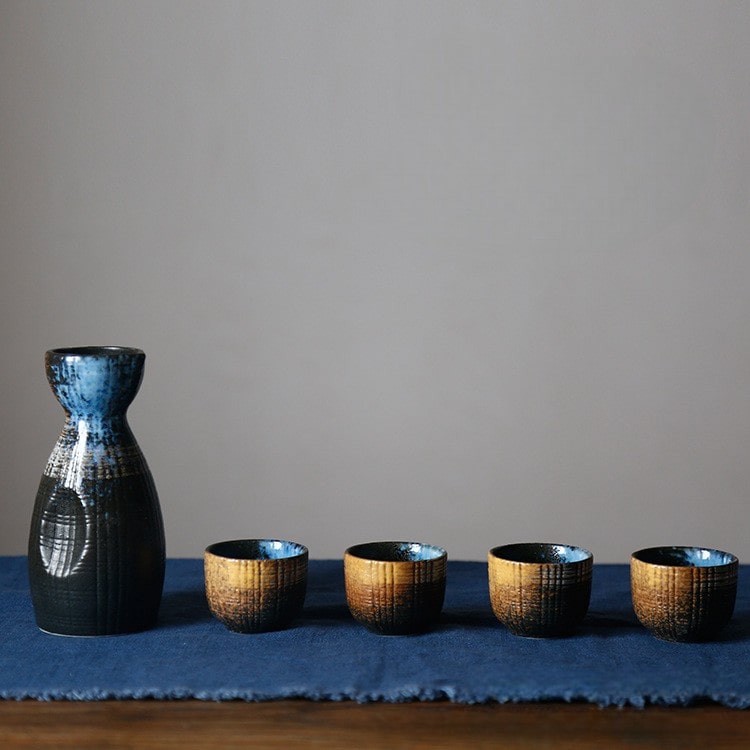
[
  {"x": 256, "y": 585},
  {"x": 683, "y": 593},
  {"x": 395, "y": 588},
  {"x": 540, "y": 590}
]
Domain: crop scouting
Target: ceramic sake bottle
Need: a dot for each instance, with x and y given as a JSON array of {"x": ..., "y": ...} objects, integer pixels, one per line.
[{"x": 96, "y": 546}]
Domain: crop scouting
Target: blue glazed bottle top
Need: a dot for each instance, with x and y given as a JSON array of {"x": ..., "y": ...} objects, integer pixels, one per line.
[{"x": 95, "y": 381}]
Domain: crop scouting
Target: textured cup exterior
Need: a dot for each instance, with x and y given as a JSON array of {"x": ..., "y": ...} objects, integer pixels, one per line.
[
  {"x": 253, "y": 596},
  {"x": 683, "y": 603},
  {"x": 395, "y": 598},
  {"x": 539, "y": 600}
]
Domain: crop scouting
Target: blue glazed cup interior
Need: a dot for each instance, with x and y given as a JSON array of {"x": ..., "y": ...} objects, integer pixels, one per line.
[
  {"x": 685, "y": 557},
  {"x": 257, "y": 549},
  {"x": 537, "y": 553},
  {"x": 397, "y": 551}
]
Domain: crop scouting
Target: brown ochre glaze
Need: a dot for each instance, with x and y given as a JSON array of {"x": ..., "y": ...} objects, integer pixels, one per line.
[
  {"x": 256, "y": 585},
  {"x": 540, "y": 590},
  {"x": 683, "y": 593},
  {"x": 395, "y": 588}
]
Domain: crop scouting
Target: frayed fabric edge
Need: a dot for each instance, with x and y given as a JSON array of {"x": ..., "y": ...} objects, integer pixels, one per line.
[{"x": 403, "y": 695}]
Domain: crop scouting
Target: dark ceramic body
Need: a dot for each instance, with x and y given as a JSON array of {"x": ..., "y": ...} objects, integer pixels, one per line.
[{"x": 96, "y": 546}]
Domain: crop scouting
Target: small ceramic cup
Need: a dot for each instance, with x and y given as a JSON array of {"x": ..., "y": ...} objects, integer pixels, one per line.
[
  {"x": 395, "y": 588},
  {"x": 540, "y": 590},
  {"x": 683, "y": 593},
  {"x": 254, "y": 585}
]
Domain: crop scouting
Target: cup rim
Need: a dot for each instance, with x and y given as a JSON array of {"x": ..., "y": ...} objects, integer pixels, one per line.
[
  {"x": 512, "y": 552},
  {"x": 643, "y": 555},
  {"x": 369, "y": 551},
  {"x": 231, "y": 549},
  {"x": 78, "y": 352}
]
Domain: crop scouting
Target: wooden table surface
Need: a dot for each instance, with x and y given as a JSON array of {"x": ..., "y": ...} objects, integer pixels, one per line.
[{"x": 110, "y": 725}]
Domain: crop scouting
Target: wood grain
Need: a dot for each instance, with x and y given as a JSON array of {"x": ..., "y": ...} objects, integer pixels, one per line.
[{"x": 115, "y": 725}]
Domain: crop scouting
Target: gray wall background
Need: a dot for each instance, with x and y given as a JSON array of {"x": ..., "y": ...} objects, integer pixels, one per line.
[{"x": 465, "y": 272}]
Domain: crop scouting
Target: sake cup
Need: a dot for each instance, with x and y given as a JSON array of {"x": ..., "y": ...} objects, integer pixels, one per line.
[
  {"x": 683, "y": 593},
  {"x": 540, "y": 590},
  {"x": 395, "y": 588},
  {"x": 255, "y": 585}
]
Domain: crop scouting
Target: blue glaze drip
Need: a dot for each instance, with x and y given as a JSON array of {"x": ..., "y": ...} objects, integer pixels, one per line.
[
  {"x": 95, "y": 382},
  {"x": 95, "y": 386}
]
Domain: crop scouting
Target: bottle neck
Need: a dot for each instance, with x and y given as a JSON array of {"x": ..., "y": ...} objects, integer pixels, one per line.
[
  {"x": 92, "y": 448},
  {"x": 97, "y": 425}
]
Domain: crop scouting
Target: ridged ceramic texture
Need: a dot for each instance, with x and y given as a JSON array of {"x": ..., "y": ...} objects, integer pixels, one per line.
[
  {"x": 683, "y": 602},
  {"x": 251, "y": 592},
  {"x": 539, "y": 599},
  {"x": 396, "y": 596},
  {"x": 96, "y": 544}
]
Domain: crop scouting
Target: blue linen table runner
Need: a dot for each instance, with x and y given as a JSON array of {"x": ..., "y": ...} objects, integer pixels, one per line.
[{"x": 468, "y": 658}]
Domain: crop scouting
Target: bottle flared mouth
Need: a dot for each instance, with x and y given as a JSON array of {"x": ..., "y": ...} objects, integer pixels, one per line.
[{"x": 73, "y": 352}]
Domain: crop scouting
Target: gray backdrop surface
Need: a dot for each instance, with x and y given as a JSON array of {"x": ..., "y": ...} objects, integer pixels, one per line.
[{"x": 468, "y": 273}]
